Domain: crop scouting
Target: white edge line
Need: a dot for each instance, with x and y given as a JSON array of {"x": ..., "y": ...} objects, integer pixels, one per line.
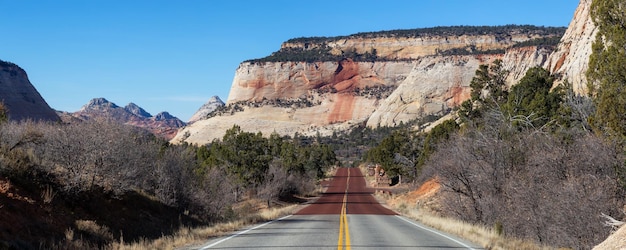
[
  {"x": 433, "y": 231},
  {"x": 243, "y": 232}
]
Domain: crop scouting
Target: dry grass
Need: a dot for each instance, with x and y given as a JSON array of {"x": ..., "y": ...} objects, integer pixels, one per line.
[
  {"x": 196, "y": 236},
  {"x": 91, "y": 227},
  {"x": 47, "y": 195},
  {"x": 5, "y": 185},
  {"x": 483, "y": 236}
]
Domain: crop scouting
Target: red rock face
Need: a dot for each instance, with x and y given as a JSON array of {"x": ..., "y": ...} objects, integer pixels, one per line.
[
  {"x": 342, "y": 109},
  {"x": 346, "y": 75},
  {"x": 456, "y": 95},
  {"x": 561, "y": 61},
  {"x": 346, "y": 78},
  {"x": 571, "y": 59},
  {"x": 290, "y": 80}
]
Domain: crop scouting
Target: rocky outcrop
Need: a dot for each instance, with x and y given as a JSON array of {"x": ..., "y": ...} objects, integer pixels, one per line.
[
  {"x": 163, "y": 124},
  {"x": 211, "y": 105},
  {"x": 289, "y": 80},
  {"x": 519, "y": 60},
  {"x": 411, "y": 77},
  {"x": 136, "y": 110},
  {"x": 571, "y": 58},
  {"x": 413, "y": 44},
  {"x": 434, "y": 85},
  {"x": 21, "y": 98}
]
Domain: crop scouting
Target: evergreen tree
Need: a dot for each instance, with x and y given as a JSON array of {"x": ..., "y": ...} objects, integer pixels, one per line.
[
  {"x": 387, "y": 151},
  {"x": 607, "y": 67},
  {"x": 436, "y": 135},
  {"x": 488, "y": 88},
  {"x": 532, "y": 99}
]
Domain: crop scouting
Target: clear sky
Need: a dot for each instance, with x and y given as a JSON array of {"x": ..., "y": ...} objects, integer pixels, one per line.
[{"x": 174, "y": 55}]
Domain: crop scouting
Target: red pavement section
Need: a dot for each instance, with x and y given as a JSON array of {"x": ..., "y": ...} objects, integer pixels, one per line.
[{"x": 360, "y": 199}]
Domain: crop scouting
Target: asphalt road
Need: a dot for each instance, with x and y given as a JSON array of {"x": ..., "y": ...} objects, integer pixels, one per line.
[{"x": 347, "y": 216}]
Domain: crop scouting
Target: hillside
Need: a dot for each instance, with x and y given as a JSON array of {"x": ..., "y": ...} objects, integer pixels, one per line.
[
  {"x": 95, "y": 217},
  {"x": 20, "y": 97}
]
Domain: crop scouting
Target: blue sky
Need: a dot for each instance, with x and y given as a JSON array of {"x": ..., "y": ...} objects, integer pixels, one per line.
[{"x": 174, "y": 55}]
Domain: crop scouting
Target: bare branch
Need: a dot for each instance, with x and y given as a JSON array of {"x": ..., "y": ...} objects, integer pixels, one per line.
[{"x": 612, "y": 222}]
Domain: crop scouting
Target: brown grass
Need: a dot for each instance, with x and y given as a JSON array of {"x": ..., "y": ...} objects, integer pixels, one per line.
[
  {"x": 47, "y": 195},
  {"x": 421, "y": 204},
  {"x": 91, "y": 227},
  {"x": 195, "y": 236}
]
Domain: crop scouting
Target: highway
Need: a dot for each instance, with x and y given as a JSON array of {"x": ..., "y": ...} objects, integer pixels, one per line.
[{"x": 346, "y": 216}]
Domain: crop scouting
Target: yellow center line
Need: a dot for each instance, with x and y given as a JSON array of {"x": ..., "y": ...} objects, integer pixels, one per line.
[{"x": 343, "y": 220}]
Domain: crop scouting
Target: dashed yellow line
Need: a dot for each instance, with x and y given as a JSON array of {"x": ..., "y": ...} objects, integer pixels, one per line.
[{"x": 343, "y": 221}]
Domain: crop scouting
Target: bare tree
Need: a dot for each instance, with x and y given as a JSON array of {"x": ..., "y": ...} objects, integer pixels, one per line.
[{"x": 533, "y": 183}]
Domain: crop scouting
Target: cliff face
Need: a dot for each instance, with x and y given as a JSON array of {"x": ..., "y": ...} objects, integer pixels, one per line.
[
  {"x": 433, "y": 85},
  {"x": 518, "y": 60},
  {"x": 20, "y": 96},
  {"x": 286, "y": 80},
  {"x": 571, "y": 58},
  {"x": 427, "y": 42},
  {"x": 406, "y": 78}
]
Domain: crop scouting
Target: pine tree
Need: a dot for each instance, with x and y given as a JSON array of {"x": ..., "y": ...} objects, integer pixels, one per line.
[{"x": 607, "y": 67}]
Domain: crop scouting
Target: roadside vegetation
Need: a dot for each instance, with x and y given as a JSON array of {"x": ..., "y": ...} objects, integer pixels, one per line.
[
  {"x": 532, "y": 162},
  {"x": 99, "y": 182}
]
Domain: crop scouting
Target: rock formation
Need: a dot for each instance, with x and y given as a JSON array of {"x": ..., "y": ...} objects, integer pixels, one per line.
[
  {"x": 163, "y": 124},
  {"x": 571, "y": 58},
  {"x": 384, "y": 78},
  {"x": 211, "y": 105},
  {"x": 20, "y": 96},
  {"x": 136, "y": 110},
  {"x": 434, "y": 85}
]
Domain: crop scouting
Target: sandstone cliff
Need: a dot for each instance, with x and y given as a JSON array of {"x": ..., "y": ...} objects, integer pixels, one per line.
[
  {"x": 571, "y": 58},
  {"x": 163, "y": 124},
  {"x": 287, "y": 80},
  {"x": 20, "y": 96},
  {"x": 433, "y": 85},
  {"x": 387, "y": 79},
  {"x": 417, "y": 43}
]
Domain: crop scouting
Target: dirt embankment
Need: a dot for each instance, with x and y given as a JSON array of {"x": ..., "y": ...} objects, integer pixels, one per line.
[
  {"x": 35, "y": 217},
  {"x": 617, "y": 241}
]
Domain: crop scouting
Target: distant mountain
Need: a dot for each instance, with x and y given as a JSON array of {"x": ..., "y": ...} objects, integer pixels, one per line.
[
  {"x": 211, "y": 105},
  {"x": 136, "y": 110},
  {"x": 163, "y": 124},
  {"x": 20, "y": 96}
]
